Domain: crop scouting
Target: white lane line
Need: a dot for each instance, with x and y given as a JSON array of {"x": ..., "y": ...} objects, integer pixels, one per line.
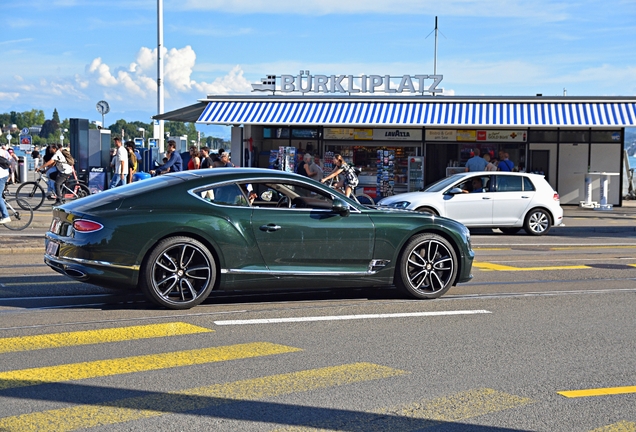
[{"x": 349, "y": 317}]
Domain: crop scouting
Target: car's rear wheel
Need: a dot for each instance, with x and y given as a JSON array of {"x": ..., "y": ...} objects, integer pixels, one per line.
[
  {"x": 427, "y": 210},
  {"x": 179, "y": 273},
  {"x": 427, "y": 266},
  {"x": 509, "y": 231},
  {"x": 538, "y": 222}
]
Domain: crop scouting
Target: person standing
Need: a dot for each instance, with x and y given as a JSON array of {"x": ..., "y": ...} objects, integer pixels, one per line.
[
  {"x": 225, "y": 160},
  {"x": 132, "y": 160},
  {"x": 195, "y": 160},
  {"x": 491, "y": 166},
  {"x": 120, "y": 164},
  {"x": 4, "y": 176},
  {"x": 206, "y": 160},
  {"x": 476, "y": 163},
  {"x": 505, "y": 164},
  {"x": 35, "y": 155},
  {"x": 350, "y": 179}
]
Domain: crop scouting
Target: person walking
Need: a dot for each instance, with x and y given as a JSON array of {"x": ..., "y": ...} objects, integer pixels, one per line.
[
  {"x": 120, "y": 164},
  {"x": 132, "y": 160},
  {"x": 195, "y": 160},
  {"x": 476, "y": 163}
]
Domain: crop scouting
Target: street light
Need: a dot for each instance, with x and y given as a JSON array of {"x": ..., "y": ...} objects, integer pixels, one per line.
[
  {"x": 62, "y": 136},
  {"x": 9, "y": 138}
]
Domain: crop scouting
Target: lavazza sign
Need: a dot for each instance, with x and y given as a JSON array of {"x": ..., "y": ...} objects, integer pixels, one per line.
[{"x": 304, "y": 82}]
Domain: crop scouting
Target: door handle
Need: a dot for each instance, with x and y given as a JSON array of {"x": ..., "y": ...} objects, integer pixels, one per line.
[
  {"x": 485, "y": 197},
  {"x": 526, "y": 197},
  {"x": 269, "y": 227}
]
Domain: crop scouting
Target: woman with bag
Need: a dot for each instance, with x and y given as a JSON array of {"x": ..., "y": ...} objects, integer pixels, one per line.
[{"x": 64, "y": 162}]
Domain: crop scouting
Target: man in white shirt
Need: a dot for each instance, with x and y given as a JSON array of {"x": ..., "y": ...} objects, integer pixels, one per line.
[
  {"x": 4, "y": 175},
  {"x": 120, "y": 163}
]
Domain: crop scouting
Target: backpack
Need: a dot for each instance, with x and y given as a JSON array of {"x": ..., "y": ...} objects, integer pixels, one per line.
[
  {"x": 4, "y": 163},
  {"x": 68, "y": 157}
]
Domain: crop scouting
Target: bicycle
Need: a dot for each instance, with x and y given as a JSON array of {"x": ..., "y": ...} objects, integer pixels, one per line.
[
  {"x": 20, "y": 212},
  {"x": 360, "y": 198},
  {"x": 33, "y": 193}
]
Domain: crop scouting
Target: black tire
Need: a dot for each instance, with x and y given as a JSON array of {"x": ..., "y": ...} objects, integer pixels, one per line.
[
  {"x": 509, "y": 231},
  {"x": 32, "y": 193},
  {"x": 179, "y": 273},
  {"x": 427, "y": 267},
  {"x": 427, "y": 210},
  {"x": 538, "y": 222},
  {"x": 80, "y": 190}
]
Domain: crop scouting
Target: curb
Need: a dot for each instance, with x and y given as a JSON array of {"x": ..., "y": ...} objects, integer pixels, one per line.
[{"x": 21, "y": 250}]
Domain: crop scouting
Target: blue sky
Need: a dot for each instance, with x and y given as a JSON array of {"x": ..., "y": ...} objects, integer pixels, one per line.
[{"x": 69, "y": 54}]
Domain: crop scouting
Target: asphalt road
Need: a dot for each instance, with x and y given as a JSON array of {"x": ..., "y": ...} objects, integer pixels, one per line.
[{"x": 545, "y": 323}]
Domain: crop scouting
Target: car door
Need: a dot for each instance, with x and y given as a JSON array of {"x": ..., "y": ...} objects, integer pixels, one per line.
[
  {"x": 512, "y": 199},
  {"x": 473, "y": 207},
  {"x": 302, "y": 234}
]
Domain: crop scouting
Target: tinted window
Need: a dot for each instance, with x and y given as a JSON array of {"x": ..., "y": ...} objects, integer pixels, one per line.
[
  {"x": 509, "y": 184},
  {"x": 527, "y": 184}
]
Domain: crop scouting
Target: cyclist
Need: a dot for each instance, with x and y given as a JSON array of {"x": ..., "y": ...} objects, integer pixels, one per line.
[
  {"x": 349, "y": 180},
  {"x": 64, "y": 163},
  {"x": 4, "y": 176}
]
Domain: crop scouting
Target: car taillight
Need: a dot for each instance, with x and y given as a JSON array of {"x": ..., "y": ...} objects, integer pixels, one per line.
[
  {"x": 556, "y": 196},
  {"x": 83, "y": 225}
]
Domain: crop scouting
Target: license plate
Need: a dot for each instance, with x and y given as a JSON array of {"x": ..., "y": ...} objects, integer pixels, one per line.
[{"x": 52, "y": 248}]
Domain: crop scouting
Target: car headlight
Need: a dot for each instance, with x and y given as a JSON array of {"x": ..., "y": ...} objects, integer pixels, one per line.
[{"x": 401, "y": 204}]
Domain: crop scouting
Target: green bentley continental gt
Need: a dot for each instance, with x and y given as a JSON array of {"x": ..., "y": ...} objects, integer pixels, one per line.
[{"x": 179, "y": 236}]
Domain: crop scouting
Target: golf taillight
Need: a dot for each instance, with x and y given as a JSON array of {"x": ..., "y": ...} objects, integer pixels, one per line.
[
  {"x": 556, "y": 196},
  {"x": 86, "y": 226}
]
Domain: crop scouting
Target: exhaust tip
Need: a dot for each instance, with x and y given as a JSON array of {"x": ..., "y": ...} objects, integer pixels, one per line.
[{"x": 76, "y": 274}]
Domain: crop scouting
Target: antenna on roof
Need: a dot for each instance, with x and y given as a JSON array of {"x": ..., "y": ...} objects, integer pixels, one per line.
[{"x": 436, "y": 30}]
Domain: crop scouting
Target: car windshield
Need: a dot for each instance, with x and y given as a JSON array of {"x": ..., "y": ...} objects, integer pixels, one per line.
[{"x": 442, "y": 184}]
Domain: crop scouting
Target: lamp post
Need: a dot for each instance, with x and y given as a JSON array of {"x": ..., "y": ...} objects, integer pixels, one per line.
[
  {"x": 62, "y": 136},
  {"x": 143, "y": 135},
  {"x": 9, "y": 138}
]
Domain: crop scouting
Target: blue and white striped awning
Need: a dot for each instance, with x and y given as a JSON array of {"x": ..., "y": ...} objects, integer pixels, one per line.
[{"x": 421, "y": 113}]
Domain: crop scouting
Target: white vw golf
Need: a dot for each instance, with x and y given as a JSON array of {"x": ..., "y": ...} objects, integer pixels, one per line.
[{"x": 489, "y": 199}]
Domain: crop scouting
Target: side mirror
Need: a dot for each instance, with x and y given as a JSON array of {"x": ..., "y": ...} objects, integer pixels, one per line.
[
  {"x": 340, "y": 207},
  {"x": 455, "y": 191}
]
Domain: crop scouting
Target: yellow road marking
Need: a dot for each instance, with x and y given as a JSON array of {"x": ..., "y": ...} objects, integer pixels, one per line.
[
  {"x": 499, "y": 267},
  {"x": 422, "y": 414},
  {"x": 118, "y": 366},
  {"x": 598, "y": 392},
  {"x": 57, "y": 340},
  {"x": 118, "y": 411},
  {"x": 622, "y": 426},
  {"x": 593, "y": 247}
]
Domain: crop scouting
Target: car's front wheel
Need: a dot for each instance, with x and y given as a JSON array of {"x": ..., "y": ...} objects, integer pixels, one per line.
[
  {"x": 427, "y": 266},
  {"x": 179, "y": 273},
  {"x": 538, "y": 222}
]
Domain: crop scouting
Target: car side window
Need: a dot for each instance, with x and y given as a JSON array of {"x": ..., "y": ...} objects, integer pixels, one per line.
[
  {"x": 228, "y": 195},
  {"x": 289, "y": 195},
  {"x": 475, "y": 184},
  {"x": 528, "y": 185},
  {"x": 509, "y": 183}
]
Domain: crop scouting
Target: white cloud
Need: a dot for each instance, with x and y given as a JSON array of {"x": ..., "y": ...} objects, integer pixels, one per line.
[
  {"x": 9, "y": 96},
  {"x": 104, "y": 77},
  {"x": 234, "y": 82}
]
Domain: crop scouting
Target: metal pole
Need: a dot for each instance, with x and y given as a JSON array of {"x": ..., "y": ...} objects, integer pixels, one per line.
[
  {"x": 435, "y": 60},
  {"x": 160, "y": 72}
]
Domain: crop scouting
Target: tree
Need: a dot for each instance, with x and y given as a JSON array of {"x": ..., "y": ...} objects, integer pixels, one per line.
[
  {"x": 56, "y": 116},
  {"x": 49, "y": 127}
]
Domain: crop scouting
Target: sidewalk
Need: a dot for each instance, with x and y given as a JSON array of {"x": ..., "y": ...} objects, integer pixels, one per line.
[{"x": 577, "y": 221}]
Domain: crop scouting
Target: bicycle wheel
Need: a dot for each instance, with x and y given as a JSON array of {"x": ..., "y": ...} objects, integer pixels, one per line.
[
  {"x": 77, "y": 191},
  {"x": 20, "y": 212},
  {"x": 32, "y": 193},
  {"x": 365, "y": 199}
]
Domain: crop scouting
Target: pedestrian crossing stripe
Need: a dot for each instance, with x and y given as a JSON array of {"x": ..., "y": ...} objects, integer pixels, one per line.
[
  {"x": 89, "y": 337},
  {"x": 499, "y": 267},
  {"x": 143, "y": 363},
  {"x": 422, "y": 414},
  {"x": 154, "y": 405}
]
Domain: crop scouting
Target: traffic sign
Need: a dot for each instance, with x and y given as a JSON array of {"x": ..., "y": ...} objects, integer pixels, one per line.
[{"x": 25, "y": 131}]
